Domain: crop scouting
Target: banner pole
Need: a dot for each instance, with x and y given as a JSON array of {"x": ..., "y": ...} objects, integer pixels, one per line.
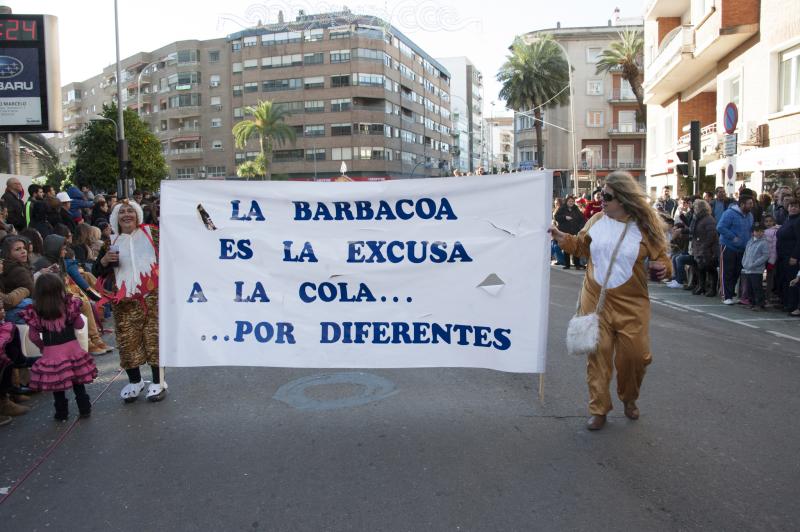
[{"x": 541, "y": 388}]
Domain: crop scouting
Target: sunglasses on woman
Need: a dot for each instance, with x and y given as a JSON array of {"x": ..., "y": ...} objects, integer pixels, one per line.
[{"x": 607, "y": 197}]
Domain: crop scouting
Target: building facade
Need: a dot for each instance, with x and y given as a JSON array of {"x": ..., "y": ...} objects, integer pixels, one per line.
[
  {"x": 357, "y": 91},
  {"x": 705, "y": 56},
  {"x": 469, "y": 139},
  {"x": 501, "y": 143},
  {"x": 608, "y": 133}
]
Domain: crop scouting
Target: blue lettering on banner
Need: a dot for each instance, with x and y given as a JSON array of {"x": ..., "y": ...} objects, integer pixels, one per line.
[
  {"x": 254, "y": 214},
  {"x": 197, "y": 292},
  {"x": 258, "y": 295},
  {"x": 229, "y": 251},
  {"x": 403, "y": 209},
  {"x": 306, "y": 254},
  {"x": 379, "y": 251},
  {"x": 328, "y": 292},
  {"x": 361, "y": 332},
  {"x": 263, "y": 332}
]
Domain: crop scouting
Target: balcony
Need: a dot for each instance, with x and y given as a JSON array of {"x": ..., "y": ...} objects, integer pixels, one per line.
[
  {"x": 184, "y": 153},
  {"x": 662, "y": 77},
  {"x": 666, "y": 8},
  {"x": 627, "y": 129},
  {"x": 723, "y": 30},
  {"x": 622, "y": 96},
  {"x": 611, "y": 164}
]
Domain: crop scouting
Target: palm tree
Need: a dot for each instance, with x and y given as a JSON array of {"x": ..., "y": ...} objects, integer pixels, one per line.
[
  {"x": 627, "y": 55},
  {"x": 535, "y": 75},
  {"x": 269, "y": 125}
]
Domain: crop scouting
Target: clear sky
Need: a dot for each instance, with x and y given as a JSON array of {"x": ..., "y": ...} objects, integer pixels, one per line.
[{"x": 482, "y": 30}]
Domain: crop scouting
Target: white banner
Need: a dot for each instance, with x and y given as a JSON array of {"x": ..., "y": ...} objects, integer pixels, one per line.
[{"x": 447, "y": 272}]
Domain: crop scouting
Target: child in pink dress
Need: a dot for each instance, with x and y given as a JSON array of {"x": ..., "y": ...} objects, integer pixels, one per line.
[{"x": 52, "y": 320}]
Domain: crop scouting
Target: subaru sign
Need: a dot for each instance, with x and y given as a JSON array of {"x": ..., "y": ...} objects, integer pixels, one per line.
[{"x": 30, "y": 92}]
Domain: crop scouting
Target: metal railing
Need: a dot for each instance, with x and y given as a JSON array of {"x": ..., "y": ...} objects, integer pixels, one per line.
[
  {"x": 611, "y": 164},
  {"x": 705, "y": 130},
  {"x": 627, "y": 128},
  {"x": 622, "y": 95}
]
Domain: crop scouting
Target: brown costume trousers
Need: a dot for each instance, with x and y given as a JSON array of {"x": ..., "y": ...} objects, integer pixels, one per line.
[{"x": 137, "y": 331}]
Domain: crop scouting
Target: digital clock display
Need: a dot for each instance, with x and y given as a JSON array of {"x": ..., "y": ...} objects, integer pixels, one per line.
[{"x": 17, "y": 29}]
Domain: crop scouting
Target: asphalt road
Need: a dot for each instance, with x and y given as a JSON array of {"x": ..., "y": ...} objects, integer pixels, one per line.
[{"x": 716, "y": 447}]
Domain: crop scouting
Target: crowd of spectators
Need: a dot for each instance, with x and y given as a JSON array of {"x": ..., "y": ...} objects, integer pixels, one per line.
[
  {"x": 51, "y": 231},
  {"x": 744, "y": 249}
]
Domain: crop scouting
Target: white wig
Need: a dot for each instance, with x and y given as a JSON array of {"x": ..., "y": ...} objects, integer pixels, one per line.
[{"x": 114, "y": 218}]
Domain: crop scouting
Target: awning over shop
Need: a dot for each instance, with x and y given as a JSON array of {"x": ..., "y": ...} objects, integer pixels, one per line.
[{"x": 782, "y": 157}]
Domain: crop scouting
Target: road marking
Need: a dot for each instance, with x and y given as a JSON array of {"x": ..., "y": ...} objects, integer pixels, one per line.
[
  {"x": 785, "y": 336},
  {"x": 737, "y": 322},
  {"x": 669, "y": 305},
  {"x": 769, "y": 319},
  {"x": 708, "y": 305}
]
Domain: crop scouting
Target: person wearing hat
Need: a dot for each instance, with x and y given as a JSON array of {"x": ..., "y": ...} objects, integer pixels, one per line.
[
  {"x": 63, "y": 213},
  {"x": 128, "y": 269}
]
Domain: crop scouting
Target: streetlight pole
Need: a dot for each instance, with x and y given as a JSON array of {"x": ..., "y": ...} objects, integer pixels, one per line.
[{"x": 124, "y": 186}]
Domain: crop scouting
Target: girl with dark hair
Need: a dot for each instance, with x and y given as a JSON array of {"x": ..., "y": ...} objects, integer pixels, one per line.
[
  {"x": 35, "y": 241},
  {"x": 64, "y": 364}
]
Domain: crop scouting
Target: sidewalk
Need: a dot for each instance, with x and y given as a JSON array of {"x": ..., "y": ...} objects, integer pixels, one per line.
[{"x": 769, "y": 321}]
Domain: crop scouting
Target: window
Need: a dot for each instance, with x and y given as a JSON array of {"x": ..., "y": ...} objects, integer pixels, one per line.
[
  {"x": 594, "y": 87},
  {"x": 236, "y": 68},
  {"x": 184, "y": 100},
  {"x": 627, "y": 122},
  {"x": 236, "y": 46},
  {"x": 367, "y": 153},
  {"x": 216, "y": 122},
  {"x": 626, "y": 91},
  {"x": 250, "y": 41},
  {"x": 625, "y": 156},
  {"x": 341, "y": 154},
  {"x": 314, "y": 59},
  {"x": 668, "y": 138},
  {"x": 789, "y": 79},
  {"x": 250, "y": 64},
  {"x": 273, "y": 85},
  {"x": 184, "y": 173},
  {"x": 339, "y": 33},
  {"x": 188, "y": 57},
  {"x": 369, "y": 80},
  {"x": 341, "y": 130},
  {"x": 314, "y": 106},
  {"x": 282, "y": 61},
  {"x": 317, "y": 82},
  {"x": 313, "y": 35},
  {"x": 237, "y": 90},
  {"x": 251, "y": 87},
  {"x": 340, "y": 81},
  {"x": 238, "y": 112},
  {"x": 289, "y": 107},
  {"x": 216, "y": 101},
  {"x": 340, "y": 56},
  {"x": 369, "y": 53},
  {"x": 733, "y": 90},
  {"x": 214, "y": 80},
  {"x": 183, "y": 80},
  {"x": 316, "y": 130},
  {"x": 593, "y": 54},
  {"x": 279, "y": 156},
  {"x": 215, "y": 171},
  {"x": 213, "y": 56},
  {"x": 368, "y": 129},
  {"x": 341, "y": 104},
  {"x": 216, "y": 144},
  {"x": 594, "y": 118},
  {"x": 284, "y": 37},
  {"x": 317, "y": 154}
]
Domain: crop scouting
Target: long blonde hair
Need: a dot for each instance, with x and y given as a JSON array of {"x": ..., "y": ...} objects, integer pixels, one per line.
[{"x": 634, "y": 201}]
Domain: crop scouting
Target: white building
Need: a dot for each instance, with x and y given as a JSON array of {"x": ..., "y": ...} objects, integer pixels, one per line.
[
  {"x": 466, "y": 105},
  {"x": 701, "y": 56}
]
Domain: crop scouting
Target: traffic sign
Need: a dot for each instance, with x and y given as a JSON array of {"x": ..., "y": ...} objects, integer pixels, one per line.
[
  {"x": 730, "y": 145},
  {"x": 730, "y": 118}
]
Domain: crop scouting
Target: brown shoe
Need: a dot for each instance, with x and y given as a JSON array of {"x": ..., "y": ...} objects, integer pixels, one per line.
[
  {"x": 596, "y": 422},
  {"x": 20, "y": 398},
  {"x": 98, "y": 348},
  {"x": 9, "y": 408},
  {"x": 631, "y": 410}
]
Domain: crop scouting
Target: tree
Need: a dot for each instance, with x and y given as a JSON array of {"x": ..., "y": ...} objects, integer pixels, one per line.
[
  {"x": 268, "y": 124},
  {"x": 95, "y": 148},
  {"x": 250, "y": 169},
  {"x": 535, "y": 76},
  {"x": 627, "y": 55}
]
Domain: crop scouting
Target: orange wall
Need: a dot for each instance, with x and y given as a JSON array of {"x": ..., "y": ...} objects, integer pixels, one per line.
[
  {"x": 702, "y": 107},
  {"x": 666, "y": 25},
  {"x": 738, "y": 12}
]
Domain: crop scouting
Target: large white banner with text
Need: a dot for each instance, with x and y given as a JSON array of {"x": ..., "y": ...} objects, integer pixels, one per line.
[{"x": 447, "y": 272}]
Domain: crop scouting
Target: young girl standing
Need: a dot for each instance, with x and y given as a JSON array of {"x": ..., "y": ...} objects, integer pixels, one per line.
[{"x": 52, "y": 320}]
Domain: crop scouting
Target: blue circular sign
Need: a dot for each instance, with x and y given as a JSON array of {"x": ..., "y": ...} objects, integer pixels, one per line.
[{"x": 731, "y": 118}]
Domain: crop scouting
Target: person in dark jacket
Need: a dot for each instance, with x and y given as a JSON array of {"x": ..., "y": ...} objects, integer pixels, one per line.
[
  {"x": 788, "y": 248},
  {"x": 13, "y": 200},
  {"x": 100, "y": 211},
  {"x": 77, "y": 204},
  {"x": 65, "y": 212},
  {"x": 39, "y": 219},
  {"x": 705, "y": 248},
  {"x": 570, "y": 220},
  {"x": 720, "y": 204},
  {"x": 734, "y": 230}
]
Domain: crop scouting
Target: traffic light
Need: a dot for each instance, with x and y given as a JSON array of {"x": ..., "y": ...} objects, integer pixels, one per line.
[
  {"x": 694, "y": 139},
  {"x": 686, "y": 166}
]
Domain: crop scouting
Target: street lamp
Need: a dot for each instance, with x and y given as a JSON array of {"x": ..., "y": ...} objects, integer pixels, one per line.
[
  {"x": 124, "y": 185},
  {"x": 572, "y": 117}
]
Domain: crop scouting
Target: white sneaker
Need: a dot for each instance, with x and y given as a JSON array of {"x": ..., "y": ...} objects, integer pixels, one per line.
[
  {"x": 156, "y": 392},
  {"x": 729, "y": 302},
  {"x": 674, "y": 284},
  {"x": 131, "y": 391}
]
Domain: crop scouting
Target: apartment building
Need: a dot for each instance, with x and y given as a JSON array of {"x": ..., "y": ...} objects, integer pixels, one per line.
[
  {"x": 700, "y": 57},
  {"x": 356, "y": 88},
  {"x": 501, "y": 142},
  {"x": 466, "y": 94},
  {"x": 608, "y": 133}
]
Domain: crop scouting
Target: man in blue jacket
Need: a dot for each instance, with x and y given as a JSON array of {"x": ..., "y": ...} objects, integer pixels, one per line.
[
  {"x": 734, "y": 228},
  {"x": 77, "y": 203}
]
